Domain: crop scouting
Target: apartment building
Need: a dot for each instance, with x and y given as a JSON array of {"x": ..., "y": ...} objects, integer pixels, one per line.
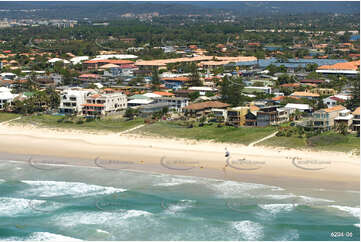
[
  {"x": 325, "y": 118},
  {"x": 174, "y": 103},
  {"x": 72, "y": 100},
  {"x": 272, "y": 115},
  {"x": 105, "y": 103},
  {"x": 6, "y": 97},
  {"x": 356, "y": 120}
]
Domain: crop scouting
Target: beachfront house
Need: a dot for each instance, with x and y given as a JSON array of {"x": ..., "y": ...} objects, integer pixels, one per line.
[
  {"x": 237, "y": 116},
  {"x": 271, "y": 115},
  {"x": 107, "y": 103},
  {"x": 356, "y": 120},
  {"x": 6, "y": 97},
  {"x": 324, "y": 119},
  {"x": 72, "y": 100},
  {"x": 203, "y": 108},
  {"x": 344, "y": 117},
  {"x": 174, "y": 103}
]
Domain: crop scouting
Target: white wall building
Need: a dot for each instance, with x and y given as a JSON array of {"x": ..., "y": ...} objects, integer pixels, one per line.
[
  {"x": 71, "y": 101},
  {"x": 6, "y": 96},
  {"x": 105, "y": 103}
]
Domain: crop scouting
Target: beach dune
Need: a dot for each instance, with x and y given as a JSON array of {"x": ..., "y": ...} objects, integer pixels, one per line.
[{"x": 274, "y": 166}]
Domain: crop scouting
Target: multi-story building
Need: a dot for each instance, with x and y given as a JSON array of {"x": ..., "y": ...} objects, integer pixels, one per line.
[
  {"x": 356, "y": 120},
  {"x": 6, "y": 97},
  {"x": 105, "y": 103},
  {"x": 72, "y": 100},
  {"x": 174, "y": 103},
  {"x": 325, "y": 118},
  {"x": 272, "y": 115},
  {"x": 237, "y": 116},
  {"x": 345, "y": 116}
]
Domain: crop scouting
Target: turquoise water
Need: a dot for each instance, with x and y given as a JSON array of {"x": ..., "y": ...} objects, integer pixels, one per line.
[{"x": 72, "y": 203}]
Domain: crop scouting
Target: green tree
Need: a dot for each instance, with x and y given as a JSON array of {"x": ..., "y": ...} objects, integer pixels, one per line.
[
  {"x": 231, "y": 91},
  {"x": 354, "y": 102},
  {"x": 195, "y": 79}
]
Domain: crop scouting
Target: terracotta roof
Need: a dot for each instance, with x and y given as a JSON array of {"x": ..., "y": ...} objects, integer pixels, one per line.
[
  {"x": 89, "y": 76},
  {"x": 181, "y": 78},
  {"x": 109, "y": 61},
  {"x": 95, "y": 96},
  {"x": 203, "y": 105},
  {"x": 279, "y": 98},
  {"x": 357, "y": 111},
  {"x": 93, "y": 105},
  {"x": 164, "y": 93},
  {"x": 353, "y": 65},
  {"x": 290, "y": 85},
  {"x": 338, "y": 99},
  {"x": 305, "y": 94},
  {"x": 311, "y": 81},
  {"x": 333, "y": 109}
]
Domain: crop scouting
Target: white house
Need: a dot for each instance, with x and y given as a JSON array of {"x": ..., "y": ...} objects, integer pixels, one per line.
[
  {"x": 174, "y": 103},
  {"x": 299, "y": 107},
  {"x": 332, "y": 101},
  {"x": 54, "y": 60},
  {"x": 203, "y": 90},
  {"x": 72, "y": 100},
  {"x": 6, "y": 96},
  {"x": 105, "y": 103}
]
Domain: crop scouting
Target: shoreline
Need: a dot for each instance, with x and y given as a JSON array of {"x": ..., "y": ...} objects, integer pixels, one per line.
[{"x": 263, "y": 165}]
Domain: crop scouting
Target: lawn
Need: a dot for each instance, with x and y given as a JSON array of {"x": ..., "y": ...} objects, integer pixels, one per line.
[
  {"x": 115, "y": 125},
  {"x": 329, "y": 141},
  {"x": 242, "y": 135},
  {"x": 7, "y": 116}
]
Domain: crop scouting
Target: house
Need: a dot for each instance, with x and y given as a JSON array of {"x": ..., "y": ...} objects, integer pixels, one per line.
[
  {"x": 89, "y": 77},
  {"x": 332, "y": 101},
  {"x": 300, "y": 107},
  {"x": 174, "y": 103},
  {"x": 105, "y": 103},
  {"x": 324, "y": 119},
  {"x": 175, "y": 82},
  {"x": 95, "y": 64},
  {"x": 6, "y": 97},
  {"x": 72, "y": 100},
  {"x": 203, "y": 90},
  {"x": 249, "y": 90},
  {"x": 345, "y": 116},
  {"x": 138, "y": 100},
  {"x": 271, "y": 115},
  {"x": 237, "y": 116},
  {"x": 146, "y": 110},
  {"x": 203, "y": 108},
  {"x": 356, "y": 120},
  {"x": 324, "y": 91},
  {"x": 308, "y": 95},
  {"x": 219, "y": 113},
  {"x": 350, "y": 68}
]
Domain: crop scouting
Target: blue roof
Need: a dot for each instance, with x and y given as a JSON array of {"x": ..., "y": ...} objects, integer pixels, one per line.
[
  {"x": 354, "y": 37},
  {"x": 291, "y": 63}
]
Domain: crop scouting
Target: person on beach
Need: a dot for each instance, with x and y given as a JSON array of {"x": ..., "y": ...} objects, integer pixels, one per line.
[{"x": 227, "y": 152}]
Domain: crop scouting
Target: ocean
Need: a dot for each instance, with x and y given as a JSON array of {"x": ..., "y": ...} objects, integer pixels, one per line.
[{"x": 79, "y": 203}]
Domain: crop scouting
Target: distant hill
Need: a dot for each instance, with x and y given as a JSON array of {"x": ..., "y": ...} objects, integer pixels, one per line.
[{"x": 110, "y": 10}]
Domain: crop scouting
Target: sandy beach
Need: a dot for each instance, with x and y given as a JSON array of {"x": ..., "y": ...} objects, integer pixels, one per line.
[{"x": 273, "y": 166}]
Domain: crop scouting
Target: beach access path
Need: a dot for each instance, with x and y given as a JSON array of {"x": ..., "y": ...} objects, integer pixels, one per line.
[{"x": 263, "y": 139}]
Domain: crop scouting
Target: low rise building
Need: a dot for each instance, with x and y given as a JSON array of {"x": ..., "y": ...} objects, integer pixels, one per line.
[
  {"x": 203, "y": 108},
  {"x": 356, "y": 120},
  {"x": 324, "y": 119},
  {"x": 308, "y": 95},
  {"x": 104, "y": 104},
  {"x": 174, "y": 103},
  {"x": 72, "y": 100}
]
